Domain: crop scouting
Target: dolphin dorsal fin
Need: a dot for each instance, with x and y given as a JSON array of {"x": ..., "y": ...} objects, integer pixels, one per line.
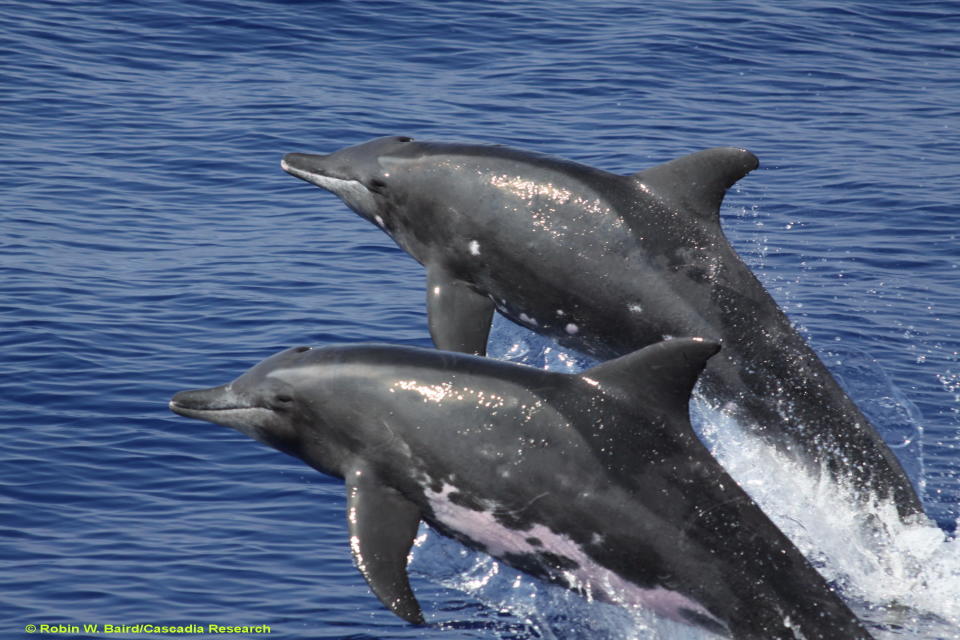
[
  {"x": 698, "y": 181},
  {"x": 662, "y": 373}
]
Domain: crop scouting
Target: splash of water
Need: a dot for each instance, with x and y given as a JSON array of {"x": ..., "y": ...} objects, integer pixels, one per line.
[{"x": 896, "y": 576}]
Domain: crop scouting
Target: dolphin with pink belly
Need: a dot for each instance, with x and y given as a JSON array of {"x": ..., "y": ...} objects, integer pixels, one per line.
[
  {"x": 596, "y": 481},
  {"x": 607, "y": 264}
]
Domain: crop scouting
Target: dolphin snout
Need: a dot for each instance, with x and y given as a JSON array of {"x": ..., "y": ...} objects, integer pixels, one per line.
[
  {"x": 187, "y": 403},
  {"x": 298, "y": 164}
]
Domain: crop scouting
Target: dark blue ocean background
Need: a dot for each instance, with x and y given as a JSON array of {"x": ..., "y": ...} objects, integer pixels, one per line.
[{"x": 151, "y": 243}]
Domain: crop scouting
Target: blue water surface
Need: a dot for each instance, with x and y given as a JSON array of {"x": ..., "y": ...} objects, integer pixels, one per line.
[{"x": 151, "y": 243}]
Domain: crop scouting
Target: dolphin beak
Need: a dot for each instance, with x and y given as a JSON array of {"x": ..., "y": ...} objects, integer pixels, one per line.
[
  {"x": 302, "y": 165},
  {"x": 194, "y": 404}
]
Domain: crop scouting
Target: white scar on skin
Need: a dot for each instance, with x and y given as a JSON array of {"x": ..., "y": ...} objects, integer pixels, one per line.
[
  {"x": 474, "y": 247},
  {"x": 590, "y": 578}
]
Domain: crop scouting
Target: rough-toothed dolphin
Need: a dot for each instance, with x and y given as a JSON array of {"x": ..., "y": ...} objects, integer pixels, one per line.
[
  {"x": 607, "y": 264},
  {"x": 594, "y": 481}
]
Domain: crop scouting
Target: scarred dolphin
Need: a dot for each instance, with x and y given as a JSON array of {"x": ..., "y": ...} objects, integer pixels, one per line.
[
  {"x": 595, "y": 481},
  {"x": 607, "y": 264}
]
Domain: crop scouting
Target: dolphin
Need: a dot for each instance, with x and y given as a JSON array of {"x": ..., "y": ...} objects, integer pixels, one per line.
[
  {"x": 607, "y": 264},
  {"x": 595, "y": 481}
]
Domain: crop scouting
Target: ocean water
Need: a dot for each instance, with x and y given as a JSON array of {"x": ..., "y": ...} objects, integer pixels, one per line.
[{"x": 151, "y": 243}]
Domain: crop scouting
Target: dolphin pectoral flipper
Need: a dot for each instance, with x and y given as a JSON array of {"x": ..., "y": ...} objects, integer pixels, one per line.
[
  {"x": 699, "y": 181},
  {"x": 458, "y": 316},
  {"x": 382, "y": 525}
]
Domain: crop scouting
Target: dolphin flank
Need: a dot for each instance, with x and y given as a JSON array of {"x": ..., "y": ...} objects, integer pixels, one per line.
[
  {"x": 607, "y": 264},
  {"x": 596, "y": 482}
]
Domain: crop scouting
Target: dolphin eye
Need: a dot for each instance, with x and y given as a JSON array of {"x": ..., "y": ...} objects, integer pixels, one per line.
[
  {"x": 279, "y": 402},
  {"x": 377, "y": 184},
  {"x": 404, "y": 139}
]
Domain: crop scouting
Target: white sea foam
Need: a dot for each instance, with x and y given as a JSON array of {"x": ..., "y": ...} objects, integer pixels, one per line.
[{"x": 889, "y": 572}]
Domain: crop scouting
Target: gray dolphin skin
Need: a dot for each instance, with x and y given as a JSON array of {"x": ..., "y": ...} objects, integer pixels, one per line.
[
  {"x": 607, "y": 264},
  {"x": 596, "y": 482}
]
